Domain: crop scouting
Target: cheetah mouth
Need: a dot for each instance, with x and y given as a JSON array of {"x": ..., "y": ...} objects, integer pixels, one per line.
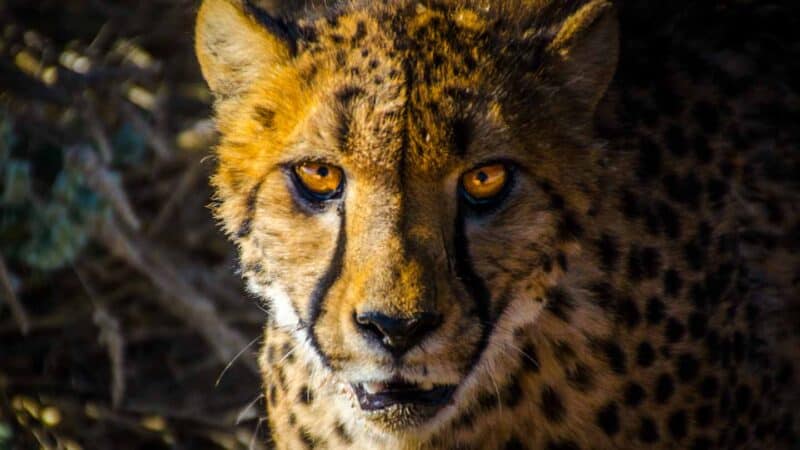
[{"x": 381, "y": 395}]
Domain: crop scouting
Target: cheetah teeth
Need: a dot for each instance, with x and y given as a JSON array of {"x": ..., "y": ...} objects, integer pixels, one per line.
[{"x": 374, "y": 388}]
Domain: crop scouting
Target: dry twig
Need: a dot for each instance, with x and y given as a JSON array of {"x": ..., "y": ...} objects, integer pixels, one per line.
[
  {"x": 7, "y": 291},
  {"x": 181, "y": 299}
]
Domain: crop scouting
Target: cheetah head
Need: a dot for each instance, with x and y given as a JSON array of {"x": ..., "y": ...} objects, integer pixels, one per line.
[{"x": 386, "y": 173}]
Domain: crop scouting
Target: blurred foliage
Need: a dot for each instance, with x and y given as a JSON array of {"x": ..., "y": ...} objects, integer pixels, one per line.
[
  {"x": 44, "y": 229},
  {"x": 104, "y": 124}
]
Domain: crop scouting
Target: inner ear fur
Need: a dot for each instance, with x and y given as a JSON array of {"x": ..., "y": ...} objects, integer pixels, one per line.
[
  {"x": 235, "y": 42},
  {"x": 585, "y": 50}
]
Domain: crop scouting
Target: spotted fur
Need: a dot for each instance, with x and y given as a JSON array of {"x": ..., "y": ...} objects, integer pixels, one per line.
[{"x": 635, "y": 289}]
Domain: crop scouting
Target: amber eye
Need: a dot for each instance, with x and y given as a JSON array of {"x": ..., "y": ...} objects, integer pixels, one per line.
[
  {"x": 322, "y": 181},
  {"x": 486, "y": 182}
]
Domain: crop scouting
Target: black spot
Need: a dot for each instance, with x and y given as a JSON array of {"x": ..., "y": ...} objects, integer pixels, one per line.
[
  {"x": 603, "y": 294},
  {"x": 704, "y": 415},
  {"x": 716, "y": 190},
  {"x": 530, "y": 359},
  {"x": 608, "y": 419},
  {"x": 273, "y": 395},
  {"x": 307, "y": 439},
  {"x": 649, "y": 160},
  {"x": 785, "y": 373},
  {"x": 559, "y": 303},
  {"x": 514, "y": 444},
  {"x": 677, "y": 424},
  {"x": 552, "y": 405},
  {"x": 651, "y": 262},
  {"x": 305, "y": 396},
  {"x": 674, "y": 330},
  {"x": 513, "y": 393},
  {"x": 739, "y": 346},
  {"x": 568, "y": 227},
  {"x": 547, "y": 263},
  {"x": 563, "y": 352},
  {"x": 645, "y": 354},
  {"x": 630, "y": 205},
  {"x": 648, "y": 431},
  {"x": 740, "y": 435},
  {"x": 635, "y": 270},
  {"x": 699, "y": 295},
  {"x": 556, "y": 201},
  {"x": 562, "y": 445},
  {"x": 265, "y": 116},
  {"x": 676, "y": 140},
  {"x": 702, "y": 443},
  {"x": 343, "y": 434},
  {"x": 629, "y": 312},
  {"x": 686, "y": 190},
  {"x": 669, "y": 220},
  {"x": 742, "y": 398},
  {"x": 655, "y": 310},
  {"x": 580, "y": 377},
  {"x": 687, "y": 367},
  {"x": 634, "y": 394},
  {"x": 561, "y": 260},
  {"x": 697, "y": 325},
  {"x": 361, "y": 31},
  {"x": 672, "y": 283},
  {"x": 609, "y": 254},
  {"x": 664, "y": 388},
  {"x": 701, "y": 149},
  {"x": 341, "y": 58},
  {"x": 707, "y": 116},
  {"x": 709, "y": 387},
  {"x": 615, "y": 356},
  {"x": 712, "y": 344}
]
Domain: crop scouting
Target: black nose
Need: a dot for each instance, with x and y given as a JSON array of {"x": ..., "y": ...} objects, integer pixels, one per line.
[{"x": 398, "y": 334}]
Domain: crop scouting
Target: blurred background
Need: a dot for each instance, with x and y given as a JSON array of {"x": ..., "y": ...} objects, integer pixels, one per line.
[{"x": 123, "y": 324}]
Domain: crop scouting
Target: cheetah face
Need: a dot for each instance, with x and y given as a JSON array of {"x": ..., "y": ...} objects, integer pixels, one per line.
[{"x": 387, "y": 181}]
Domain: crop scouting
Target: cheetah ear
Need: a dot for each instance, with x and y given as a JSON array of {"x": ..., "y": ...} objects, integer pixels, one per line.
[
  {"x": 236, "y": 41},
  {"x": 585, "y": 50}
]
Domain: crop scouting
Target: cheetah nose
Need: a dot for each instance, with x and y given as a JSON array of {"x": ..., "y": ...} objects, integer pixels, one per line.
[{"x": 398, "y": 334}]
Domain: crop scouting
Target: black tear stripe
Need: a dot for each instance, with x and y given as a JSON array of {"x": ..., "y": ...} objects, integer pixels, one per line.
[
  {"x": 250, "y": 209},
  {"x": 324, "y": 284},
  {"x": 474, "y": 284}
]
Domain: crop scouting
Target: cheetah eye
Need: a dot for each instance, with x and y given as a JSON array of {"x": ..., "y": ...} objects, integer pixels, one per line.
[
  {"x": 485, "y": 184},
  {"x": 319, "y": 181}
]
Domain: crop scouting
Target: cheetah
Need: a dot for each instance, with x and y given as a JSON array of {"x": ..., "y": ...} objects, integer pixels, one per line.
[{"x": 460, "y": 246}]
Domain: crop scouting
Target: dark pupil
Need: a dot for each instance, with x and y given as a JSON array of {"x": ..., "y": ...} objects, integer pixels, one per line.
[
  {"x": 482, "y": 177},
  {"x": 322, "y": 171}
]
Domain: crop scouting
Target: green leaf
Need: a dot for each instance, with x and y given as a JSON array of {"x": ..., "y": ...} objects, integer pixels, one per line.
[
  {"x": 130, "y": 147},
  {"x": 6, "y": 433},
  {"x": 55, "y": 240}
]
